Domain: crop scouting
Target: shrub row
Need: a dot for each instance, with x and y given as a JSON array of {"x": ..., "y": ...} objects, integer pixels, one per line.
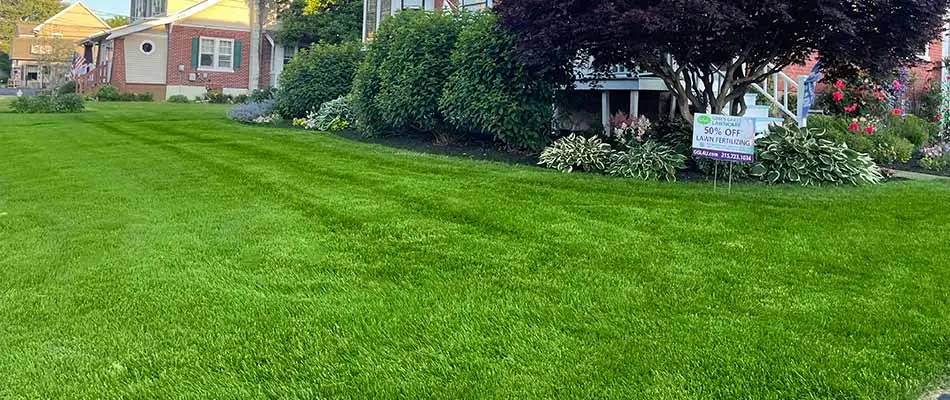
[
  {"x": 63, "y": 103},
  {"x": 894, "y": 141},
  {"x": 110, "y": 93},
  {"x": 445, "y": 74},
  {"x": 316, "y": 75}
]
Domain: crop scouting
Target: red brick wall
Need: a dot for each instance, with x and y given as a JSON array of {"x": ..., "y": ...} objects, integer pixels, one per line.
[
  {"x": 267, "y": 52},
  {"x": 922, "y": 72},
  {"x": 179, "y": 53},
  {"x": 118, "y": 64}
]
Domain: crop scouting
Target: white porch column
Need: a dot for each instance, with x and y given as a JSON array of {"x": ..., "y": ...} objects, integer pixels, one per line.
[
  {"x": 634, "y": 103},
  {"x": 605, "y": 110}
]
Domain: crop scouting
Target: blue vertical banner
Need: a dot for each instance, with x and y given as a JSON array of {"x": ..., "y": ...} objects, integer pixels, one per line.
[{"x": 807, "y": 90}]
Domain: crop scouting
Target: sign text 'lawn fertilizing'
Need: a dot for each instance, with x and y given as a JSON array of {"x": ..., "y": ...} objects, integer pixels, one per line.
[{"x": 724, "y": 138}]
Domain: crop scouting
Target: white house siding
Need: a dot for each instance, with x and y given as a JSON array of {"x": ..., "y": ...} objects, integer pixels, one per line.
[{"x": 146, "y": 68}]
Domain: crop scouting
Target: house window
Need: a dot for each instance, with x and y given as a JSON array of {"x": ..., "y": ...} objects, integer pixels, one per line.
[
  {"x": 925, "y": 54},
  {"x": 216, "y": 54},
  {"x": 289, "y": 52},
  {"x": 157, "y": 7},
  {"x": 138, "y": 9},
  {"x": 474, "y": 4},
  {"x": 407, "y": 4},
  {"x": 32, "y": 73}
]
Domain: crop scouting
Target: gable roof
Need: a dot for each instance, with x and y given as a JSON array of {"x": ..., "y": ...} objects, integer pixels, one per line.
[
  {"x": 149, "y": 24},
  {"x": 80, "y": 4}
]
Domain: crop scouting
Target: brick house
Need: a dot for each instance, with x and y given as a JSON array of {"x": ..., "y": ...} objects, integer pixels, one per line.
[
  {"x": 41, "y": 55},
  {"x": 188, "y": 47}
]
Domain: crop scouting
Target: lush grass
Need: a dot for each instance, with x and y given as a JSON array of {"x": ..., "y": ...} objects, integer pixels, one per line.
[{"x": 160, "y": 251}]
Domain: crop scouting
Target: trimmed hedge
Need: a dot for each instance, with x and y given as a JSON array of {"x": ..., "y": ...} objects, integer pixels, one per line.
[
  {"x": 491, "y": 93},
  {"x": 366, "y": 82},
  {"x": 415, "y": 69},
  {"x": 65, "y": 103},
  {"x": 315, "y": 76}
]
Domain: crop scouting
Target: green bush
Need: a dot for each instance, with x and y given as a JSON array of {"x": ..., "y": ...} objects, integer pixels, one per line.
[
  {"x": 67, "y": 103},
  {"x": 650, "y": 161},
  {"x": 31, "y": 104},
  {"x": 810, "y": 157},
  {"x": 417, "y": 65},
  {"x": 241, "y": 99},
  {"x": 179, "y": 98},
  {"x": 145, "y": 97},
  {"x": 917, "y": 131},
  {"x": 365, "y": 112},
  {"x": 675, "y": 133},
  {"x": 491, "y": 93},
  {"x": 315, "y": 76},
  {"x": 214, "y": 97},
  {"x": 67, "y": 88},
  {"x": 259, "y": 95},
  {"x": 107, "y": 93},
  {"x": 574, "y": 151},
  {"x": 885, "y": 145},
  {"x": 888, "y": 148}
]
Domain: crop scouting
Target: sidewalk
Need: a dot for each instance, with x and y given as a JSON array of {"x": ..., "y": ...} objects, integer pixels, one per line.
[{"x": 920, "y": 177}]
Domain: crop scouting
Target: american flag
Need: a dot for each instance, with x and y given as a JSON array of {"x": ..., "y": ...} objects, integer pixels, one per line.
[{"x": 79, "y": 65}]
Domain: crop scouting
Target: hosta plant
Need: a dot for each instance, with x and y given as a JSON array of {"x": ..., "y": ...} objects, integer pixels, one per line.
[
  {"x": 575, "y": 151},
  {"x": 810, "y": 157},
  {"x": 333, "y": 116},
  {"x": 649, "y": 161}
]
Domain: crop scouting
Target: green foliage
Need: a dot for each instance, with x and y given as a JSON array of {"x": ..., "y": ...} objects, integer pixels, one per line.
[
  {"x": 215, "y": 97},
  {"x": 259, "y": 95},
  {"x": 61, "y": 104},
  {"x": 888, "y": 148},
  {"x": 415, "y": 69},
  {"x": 68, "y": 103},
  {"x": 916, "y": 130},
  {"x": 179, "y": 98},
  {"x": 241, "y": 99},
  {"x": 810, "y": 157},
  {"x": 117, "y": 21},
  {"x": 4, "y": 66},
  {"x": 886, "y": 145},
  {"x": 935, "y": 157},
  {"x": 334, "y": 23},
  {"x": 491, "y": 93},
  {"x": 574, "y": 151},
  {"x": 315, "y": 76},
  {"x": 67, "y": 88},
  {"x": 721, "y": 170},
  {"x": 333, "y": 116},
  {"x": 32, "y": 11},
  {"x": 649, "y": 161},
  {"x": 935, "y": 163},
  {"x": 107, "y": 93},
  {"x": 366, "y": 85},
  {"x": 675, "y": 133}
]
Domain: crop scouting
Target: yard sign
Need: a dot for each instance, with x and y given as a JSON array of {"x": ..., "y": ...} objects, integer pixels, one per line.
[{"x": 724, "y": 138}]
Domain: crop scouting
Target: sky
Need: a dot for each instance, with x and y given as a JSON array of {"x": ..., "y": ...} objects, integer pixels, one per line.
[{"x": 107, "y": 8}]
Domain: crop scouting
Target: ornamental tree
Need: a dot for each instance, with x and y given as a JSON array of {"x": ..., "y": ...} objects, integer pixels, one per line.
[{"x": 709, "y": 52}]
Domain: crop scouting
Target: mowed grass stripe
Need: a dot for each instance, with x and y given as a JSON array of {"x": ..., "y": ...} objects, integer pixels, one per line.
[{"x": 209, "y": 260}]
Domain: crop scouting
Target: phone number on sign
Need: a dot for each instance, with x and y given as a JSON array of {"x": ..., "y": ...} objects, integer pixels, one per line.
[{"x": 724, "y": 156}]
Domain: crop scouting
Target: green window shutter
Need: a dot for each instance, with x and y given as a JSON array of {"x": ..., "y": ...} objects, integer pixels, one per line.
[
  {"x": 237, "y": 55},
  {"x": 194, "y": 52}
]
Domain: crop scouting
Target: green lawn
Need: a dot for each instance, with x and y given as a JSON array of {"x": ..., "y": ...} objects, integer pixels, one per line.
[{"x": 161, "y": 251}]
